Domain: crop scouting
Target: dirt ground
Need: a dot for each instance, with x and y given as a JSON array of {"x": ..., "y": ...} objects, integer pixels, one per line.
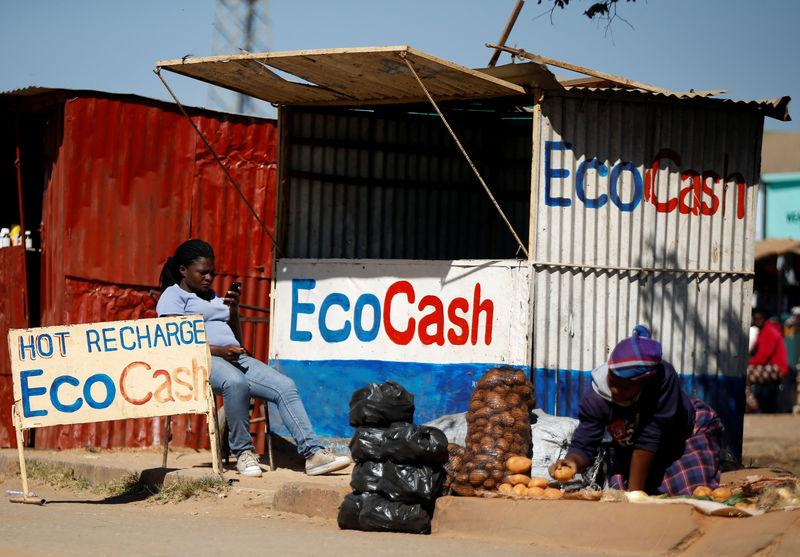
[{"x": 770, "y": 441}]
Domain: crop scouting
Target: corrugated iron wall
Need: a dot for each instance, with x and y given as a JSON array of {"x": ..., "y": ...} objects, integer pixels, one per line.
[
  {"x": 140, "y": 166},
  {"x": 13, "y": 315},
  {"x": 392, "y": 184},
  {"x": 608, "y": 257}
]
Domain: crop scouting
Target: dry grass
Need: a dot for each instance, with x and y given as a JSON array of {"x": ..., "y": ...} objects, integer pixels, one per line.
[{"x": 129, "y": 486}]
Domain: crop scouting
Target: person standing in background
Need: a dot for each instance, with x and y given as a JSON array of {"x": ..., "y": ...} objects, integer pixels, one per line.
[{"x": 768, "y": 365}]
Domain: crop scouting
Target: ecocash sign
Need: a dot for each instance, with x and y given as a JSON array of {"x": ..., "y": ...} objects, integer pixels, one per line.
[
  {"x": 64, "y": 391},
  {"x": 697, "y": 196},
  {"x": 457, "y": 323}
]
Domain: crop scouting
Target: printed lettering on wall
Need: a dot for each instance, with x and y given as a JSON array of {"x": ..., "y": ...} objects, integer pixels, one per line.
[
  {"x": 701, "y": 192},
  {"x": 108, "y": 371},
  {"x": 423, "y": 311}
]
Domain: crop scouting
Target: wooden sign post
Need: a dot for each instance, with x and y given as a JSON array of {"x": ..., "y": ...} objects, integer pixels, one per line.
[{"x": 118, "y": 370}]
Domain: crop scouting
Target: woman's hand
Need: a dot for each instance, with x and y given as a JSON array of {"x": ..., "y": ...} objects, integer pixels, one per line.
[
  {"x": 232, "y": 299},
  {"x": 231, "y": 352},
  {"x": 571, "y": 461}
]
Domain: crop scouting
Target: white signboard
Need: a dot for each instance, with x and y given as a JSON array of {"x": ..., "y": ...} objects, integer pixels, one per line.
[
  {"x": 439, "y": 312},
  {"x": 110, "y": 371}
]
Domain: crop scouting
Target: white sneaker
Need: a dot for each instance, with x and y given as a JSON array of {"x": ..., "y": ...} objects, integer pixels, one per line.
[
  {"x": 247, "y": 464},
  {"x": 324, "y": 461}
]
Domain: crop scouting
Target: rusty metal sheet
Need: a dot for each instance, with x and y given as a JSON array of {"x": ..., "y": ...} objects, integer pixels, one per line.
[
  {"x": 13, "y": 314},
  {"x": 140, "y": 165}
]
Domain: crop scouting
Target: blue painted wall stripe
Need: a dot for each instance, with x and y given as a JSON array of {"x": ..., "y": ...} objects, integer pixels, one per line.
[
  {"x": 558, "y": 391},
  {"x": 439, "y": 389},
  {"x": 326, "y": 388}
]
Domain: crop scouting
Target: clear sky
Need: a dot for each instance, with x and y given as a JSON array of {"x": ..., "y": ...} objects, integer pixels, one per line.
[{"x": 751, "y": 48}]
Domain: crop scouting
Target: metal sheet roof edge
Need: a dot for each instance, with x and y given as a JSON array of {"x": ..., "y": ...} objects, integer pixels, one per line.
[{"x": 777, "y": 108}]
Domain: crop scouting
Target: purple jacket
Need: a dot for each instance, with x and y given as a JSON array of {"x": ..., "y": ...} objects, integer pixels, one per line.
[{"x": 660, "y": 419}]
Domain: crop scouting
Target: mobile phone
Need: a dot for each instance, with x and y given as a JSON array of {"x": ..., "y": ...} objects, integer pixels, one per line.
[{"x": 235, "y": 287}]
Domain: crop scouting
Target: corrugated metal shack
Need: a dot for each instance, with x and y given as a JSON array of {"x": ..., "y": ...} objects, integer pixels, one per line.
[
  {"x": 110, "y": 185},
  {"x": 628, "y": 203}
]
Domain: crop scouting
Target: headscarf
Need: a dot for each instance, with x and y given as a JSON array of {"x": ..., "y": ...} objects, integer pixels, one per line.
[{"x": 636, "y": 357}]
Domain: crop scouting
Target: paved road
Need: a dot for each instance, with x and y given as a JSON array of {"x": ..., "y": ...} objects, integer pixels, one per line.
[{"x": 71, "y": 526}]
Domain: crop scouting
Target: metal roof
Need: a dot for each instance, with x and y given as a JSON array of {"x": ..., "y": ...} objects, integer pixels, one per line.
[{"x": 347, "y": 76}]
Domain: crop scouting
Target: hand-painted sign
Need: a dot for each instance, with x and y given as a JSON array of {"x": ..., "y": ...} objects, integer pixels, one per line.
[
  {"x": 443, "y": 312},
  {"x": 433, "y": 326},
  {"x": 700, "y": 192},
  {"x": 110, "y": 371}
]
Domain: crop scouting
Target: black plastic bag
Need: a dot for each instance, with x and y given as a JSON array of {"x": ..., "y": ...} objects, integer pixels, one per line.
[
  {"x": 366, "y": 475},
  {"x": 378, "y": 514},
  {"x": 351, "y": 509},
  {"x": 409, "y": 443},
  {"x": 367, "y": 444},
  {"x": 409, "y": 483},
  {"x": 380, "y": 405}
]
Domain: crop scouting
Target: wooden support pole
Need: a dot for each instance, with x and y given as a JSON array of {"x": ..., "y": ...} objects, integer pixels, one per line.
[
  {"x": 506, "y": 32},
  {"x": 23, "y": 470},
  {"x": 624, "y": 82},
  {"x": 166, "y": 442},
  {"x": 211, "y": 419}
]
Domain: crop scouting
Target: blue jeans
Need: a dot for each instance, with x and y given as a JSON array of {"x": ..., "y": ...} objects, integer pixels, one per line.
[{"x": 253, "y": 378}]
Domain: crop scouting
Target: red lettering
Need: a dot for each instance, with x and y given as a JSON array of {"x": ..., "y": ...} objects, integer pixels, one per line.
[
  {"x": 163, "y": 393},
  {"x": 176, "y": 375},
  {"x": 740, "y": 190},
  {"x": 461, "y": 338},
  {"x": 124, "y": 391},
  {"x": 479, "y": 307},
  {"x": 200, "y": 377},
  {"x": 398, "y": 337},
  {"x": 714, "y": 177},
  {"x": 650, "y": 177},
  {"x": 434, "y": 318},
  {"x": 693, "y": 189}
]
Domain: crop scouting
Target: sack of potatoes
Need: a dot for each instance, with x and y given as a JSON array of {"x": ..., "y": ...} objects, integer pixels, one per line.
[{"x": 498, "y": 427}]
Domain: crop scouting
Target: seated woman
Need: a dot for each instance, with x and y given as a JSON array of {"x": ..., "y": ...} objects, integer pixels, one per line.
[
  {"x": 663, "y": 441},
  {"x": 186, "y": 278}
]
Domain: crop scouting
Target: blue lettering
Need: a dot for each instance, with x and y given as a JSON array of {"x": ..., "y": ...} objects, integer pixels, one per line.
[
  {"x": 637, "y": 186},
  {"x": 550, "y": 173},
  {"x": 122, "y": 338},
  {"x": 172, "y": 333},
  {"x": 92, "y": 338},
  {"x": 62, "y": 343},
  {"x": 23, "y": 347},
  {"x": 108, "y": 343},
  {"x": 333, "y": 335},
  {"x": 186, "y": 332},
  {"x": 159, "y": 333},
  {"x": 27, "y": 392},
  {"x": 199, "y": 331},
  {"x": 111, "y": 391},
  {"x": 367, "y": 300},
  {"x": 580, "y": 175},
  {"x": 44, "y": 352},
  {"x": 66, "y": 408},
  {"x": 146, "y": 336},
  {"x": 298, "y": 307}
]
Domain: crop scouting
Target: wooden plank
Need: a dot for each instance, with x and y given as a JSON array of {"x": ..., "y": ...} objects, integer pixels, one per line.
[
  {"x": 527, "y": 74},
  {"x": 622, "y": 81},
  {"x": 506, "y": 32},
  {"x": 242, "y": 79},
  {"x": 354, "y": 76}
]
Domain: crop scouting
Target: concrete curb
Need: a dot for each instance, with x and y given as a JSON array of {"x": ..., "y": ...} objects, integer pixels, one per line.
[{"x": 614, "y": 528}]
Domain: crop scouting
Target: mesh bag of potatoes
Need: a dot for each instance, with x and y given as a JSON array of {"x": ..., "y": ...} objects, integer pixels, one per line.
[{"x": 498, "y": 428}]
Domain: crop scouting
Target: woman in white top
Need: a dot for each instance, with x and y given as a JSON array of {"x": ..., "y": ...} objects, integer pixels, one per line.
[{"x": 186, "y": 279}]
